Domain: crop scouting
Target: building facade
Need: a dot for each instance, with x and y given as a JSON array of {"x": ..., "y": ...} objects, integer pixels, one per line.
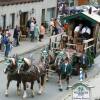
[
  {"x": 17, "y": 12},
  {"x": 86, "y": 2},
  {"x": 81, "y": 2}
]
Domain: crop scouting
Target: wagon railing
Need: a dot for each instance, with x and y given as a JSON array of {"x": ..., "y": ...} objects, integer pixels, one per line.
[
  {"x": 55, "y": 40},
  {"x": 88, "y": 43}
]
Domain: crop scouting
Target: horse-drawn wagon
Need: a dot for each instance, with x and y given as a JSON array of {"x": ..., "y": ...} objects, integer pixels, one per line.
[{"x": 81, "y": 42}]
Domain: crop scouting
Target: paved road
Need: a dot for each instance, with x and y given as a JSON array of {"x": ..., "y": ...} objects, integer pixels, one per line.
[{"x": 51, "y": 89}]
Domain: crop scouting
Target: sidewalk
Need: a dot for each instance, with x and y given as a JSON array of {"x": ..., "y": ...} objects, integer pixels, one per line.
[
  {"x": 93, "y": 81},
  {"x": 28, "y": 46},
  {"x": 25, "y": 47}
]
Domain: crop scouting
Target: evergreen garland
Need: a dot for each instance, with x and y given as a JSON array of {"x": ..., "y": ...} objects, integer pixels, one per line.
[{"x": 90, "y": 55}]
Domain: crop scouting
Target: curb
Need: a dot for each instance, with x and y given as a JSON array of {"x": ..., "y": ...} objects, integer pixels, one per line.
[{"x": 31, "y": 50}]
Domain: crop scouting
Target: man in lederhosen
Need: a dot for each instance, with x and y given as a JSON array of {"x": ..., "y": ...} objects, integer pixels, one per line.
[{"x": 66, "y": 70}]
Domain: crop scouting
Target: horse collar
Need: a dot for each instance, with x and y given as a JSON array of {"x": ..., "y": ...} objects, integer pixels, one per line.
[
  {"x": 13, "y": 61},
  {"x": 27, "y": 61}
]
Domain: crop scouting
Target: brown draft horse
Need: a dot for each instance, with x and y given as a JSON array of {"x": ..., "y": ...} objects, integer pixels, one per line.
[
  {"x": 12, "y": 75},
  {"x": 58, "y": 62},
  {"x": 30, "y": 73}
]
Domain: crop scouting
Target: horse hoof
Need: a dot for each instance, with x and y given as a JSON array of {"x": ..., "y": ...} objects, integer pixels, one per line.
[
  {"x": 33, "y": 94},
  {"x": 39, "y": 92},
  {"x": 24, "y": 96},
  {"x": 47, "y": 79},
  {"x": 6, "y": 95},
  {"x": 60, "y": 89}
]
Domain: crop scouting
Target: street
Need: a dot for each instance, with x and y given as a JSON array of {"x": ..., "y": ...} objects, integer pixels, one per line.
[
  {"x": 51, "y": 88},
  {"x": 70, "y": 27}
]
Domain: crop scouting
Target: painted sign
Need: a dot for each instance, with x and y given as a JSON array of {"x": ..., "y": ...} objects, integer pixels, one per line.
[{"x": 81, "y": 92}]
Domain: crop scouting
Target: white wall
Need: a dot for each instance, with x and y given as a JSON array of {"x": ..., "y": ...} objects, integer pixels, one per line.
[{"x": 38, "y": 6}]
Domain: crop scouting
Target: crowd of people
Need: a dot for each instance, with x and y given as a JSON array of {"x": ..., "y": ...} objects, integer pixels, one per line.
[
  {"x": 9, "y": 39},
  {"x": 5, "y": 41},
  {"x": 34, "y": 31},
  {"x": 55, "y": 26}
]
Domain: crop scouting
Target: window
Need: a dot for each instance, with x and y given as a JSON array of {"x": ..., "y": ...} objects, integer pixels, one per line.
[
  {"x": 4, "y": 21},
  {"x": 43, "y": 15},
  {"x": 12, "y": 20}
]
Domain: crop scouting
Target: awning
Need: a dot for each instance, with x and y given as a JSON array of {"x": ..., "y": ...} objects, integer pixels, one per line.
[{"x": 93, "y": 18}]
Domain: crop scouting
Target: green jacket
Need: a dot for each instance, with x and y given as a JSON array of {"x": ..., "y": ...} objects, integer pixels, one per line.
[{"x": 66, "y": 69}]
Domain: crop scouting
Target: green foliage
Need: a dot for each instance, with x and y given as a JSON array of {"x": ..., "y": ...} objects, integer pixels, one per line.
[{"x": 90, "y": 54}]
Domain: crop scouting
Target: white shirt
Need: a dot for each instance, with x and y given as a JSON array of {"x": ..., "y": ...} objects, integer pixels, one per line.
[
  {"x": 52, "y": 23},
  {"x": 66, "y": 66},
  {"x": 77, "y": 29},
  {"x": 32, "y": 26},
  {"x": 86, "y": 30},
  {"x": 83, "y": 30}
]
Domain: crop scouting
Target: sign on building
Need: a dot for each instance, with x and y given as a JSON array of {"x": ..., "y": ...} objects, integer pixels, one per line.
[{"x": 81, "y": 92}]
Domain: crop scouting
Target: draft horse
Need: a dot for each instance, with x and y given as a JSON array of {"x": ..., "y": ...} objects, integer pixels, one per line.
[
  {"x": 12, "y": 74},
  {"x": 58, "y": 61},
  {"x": 31, "y": 73}
]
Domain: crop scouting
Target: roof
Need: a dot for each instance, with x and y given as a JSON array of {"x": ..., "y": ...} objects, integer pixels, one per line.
[
  {"x": 12, "y": 2},
  {"x": 93, "y": 18}
]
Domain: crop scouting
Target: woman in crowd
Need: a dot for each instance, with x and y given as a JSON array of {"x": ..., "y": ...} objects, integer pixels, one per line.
[
  {"x": 36, "y": 31},
  {"x": 42, "y": 31},
  {"x": 16, "y": 36}
]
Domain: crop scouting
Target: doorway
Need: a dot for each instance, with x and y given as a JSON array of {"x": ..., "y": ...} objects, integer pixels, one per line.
[
  {"x": 23, "y": 21},
  {"x": 23, "y": 18}
]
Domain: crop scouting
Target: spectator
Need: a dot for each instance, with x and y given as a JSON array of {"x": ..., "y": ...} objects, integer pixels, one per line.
[
  {"x": 55, "y": 28},
  {"x": 51, "y": 25},
  {"x": 36, "y": 31},
  {"x": 66, "y": 28},
  {"x": 32, "y": 25},
  {"x": 77, "y": 30},
  {"x": 86, "y": 32},
  {"x": 3, "y": 45},
  {"x": 28, "y": 26},
  {"x": 7, "y": 42},
  {"x": 16, "y": 35},
  {"x": 42, "y": 31}
]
